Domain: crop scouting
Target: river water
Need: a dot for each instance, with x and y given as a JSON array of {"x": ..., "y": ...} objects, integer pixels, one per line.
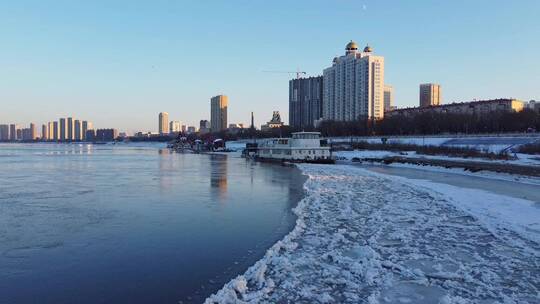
[{"x": 134, "y": 223}]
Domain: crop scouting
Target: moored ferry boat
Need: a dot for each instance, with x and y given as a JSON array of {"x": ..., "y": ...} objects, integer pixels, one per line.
[{"x": 301, "y": 147}]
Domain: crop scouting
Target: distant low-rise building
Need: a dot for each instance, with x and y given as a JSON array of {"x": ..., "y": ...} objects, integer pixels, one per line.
[
  {"x": 106, "y": 134},
  {"x": 90, "y": 135},
  {"x": 275, "y": 122},
  {"x": 534, "y": 105},
  {"x": 481, "y": 107},
  {"x": 204, "y": 126}
]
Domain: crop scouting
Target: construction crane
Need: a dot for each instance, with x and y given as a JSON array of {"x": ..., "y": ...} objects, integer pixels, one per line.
[{"x": 298, "y": 73}]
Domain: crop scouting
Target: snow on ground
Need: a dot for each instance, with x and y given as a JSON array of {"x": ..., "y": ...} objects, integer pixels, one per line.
[
  {"x": 522, "y": 159},
  {"x": 363, "y": 237}
]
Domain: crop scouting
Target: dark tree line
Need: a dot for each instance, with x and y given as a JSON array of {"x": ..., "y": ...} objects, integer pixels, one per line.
[{"x": 436, "y": 123}]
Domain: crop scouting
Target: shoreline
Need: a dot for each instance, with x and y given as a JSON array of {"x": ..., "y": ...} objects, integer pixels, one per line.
[{"x": 360, "y": 263}]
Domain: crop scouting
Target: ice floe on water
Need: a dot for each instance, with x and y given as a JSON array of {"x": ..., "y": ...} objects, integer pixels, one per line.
[{"x": 367, "y": 238}]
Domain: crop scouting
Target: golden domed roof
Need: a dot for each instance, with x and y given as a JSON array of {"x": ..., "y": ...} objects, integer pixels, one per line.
[
  {"x": 368, "y": 49},
  {"x": 351, "y": 46}
]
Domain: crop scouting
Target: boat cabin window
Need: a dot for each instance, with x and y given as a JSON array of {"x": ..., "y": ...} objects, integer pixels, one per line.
[{"x": 306, "y": 136}]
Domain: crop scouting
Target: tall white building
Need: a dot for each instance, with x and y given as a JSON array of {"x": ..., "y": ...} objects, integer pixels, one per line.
[
  {"x": 163, "y": 123},
  {"x": 353, "y": 87}
]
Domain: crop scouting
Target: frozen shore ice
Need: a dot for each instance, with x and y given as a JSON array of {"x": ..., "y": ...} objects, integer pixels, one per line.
[{"x": 362, "y": 237}]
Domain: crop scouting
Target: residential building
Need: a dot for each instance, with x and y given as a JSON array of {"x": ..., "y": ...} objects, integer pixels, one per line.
[
  {"x": 44, "y": 132},
  {"x": 175, "y": 127},
  {"x": 13, "y": 132},
  {"x": 77, "y": 130},
  {"x": 388, "y": 98},
  {"x": 106, "y": 134},
  {"x": 305, "y": 101},
  {"x": 70, "y": 129},
  {"x": 163, "y": 123},
  {"x": 63, "y": 129},
  {"x": 4, "y": 132},
  {"x": 191, "y": 129},
  {"x": 218, "y": 113},
  {"x": 430, "y": 94},
  {"x": 353, "y": 87},
  {"x": 32, "y": 131},
  {"x": 51, "y": 131},
  {"x": 481, "y": 107},
  {"x": 56, "y": 131},
  {"x": 86, "y": 125}
]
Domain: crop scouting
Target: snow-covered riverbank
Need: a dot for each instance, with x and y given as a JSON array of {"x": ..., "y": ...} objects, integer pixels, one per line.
[{"x": 363, "y": 237}]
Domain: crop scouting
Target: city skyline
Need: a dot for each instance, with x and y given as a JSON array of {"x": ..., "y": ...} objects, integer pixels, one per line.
[{"x": 125, "y": 72}]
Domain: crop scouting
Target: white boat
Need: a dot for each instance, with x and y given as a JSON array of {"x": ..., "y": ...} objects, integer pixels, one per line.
[{"x": 301, "y": 147}]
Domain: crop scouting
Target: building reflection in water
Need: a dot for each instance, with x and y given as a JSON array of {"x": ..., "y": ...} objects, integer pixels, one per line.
[
  {"x": 218, "y": 176},
  {"x": 166, "y": 167}
]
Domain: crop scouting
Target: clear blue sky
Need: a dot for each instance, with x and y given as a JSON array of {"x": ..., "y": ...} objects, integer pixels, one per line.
[{"x": 119, "y": 63}]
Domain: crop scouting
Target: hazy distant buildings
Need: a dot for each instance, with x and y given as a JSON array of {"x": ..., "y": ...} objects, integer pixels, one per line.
[
  {"x": 305, "y": 101},
  {"x": 90, "y": 135},
  {"x": 218, "y": 113},
  {"x": 191, "y": 129},
  {"x": 86, "y": 125},
  {"x": 77, "y": 130},
  {"x": 63, "y": 129},
  {"x": 56, "y": 130},
  {"x": 33, "y": 131},
  {"x": 44, "y": 132},
  {"x": 70, "y": 129},
  {"x": 353, "y": 87},
  {"x": 534, "y": 105},
  {"x": 13, "y": 132},
  {"x": 4, "y": 132},
  {"x": 106, "y": 134},
  {"x": 51, "y": 131},
  {"x": 163, "y": 123},
  {"x": 388, "y": 98},
  {"x": 430, "y": 94},
  {"x": 175, "y": 127},
  {"x": 204, "y": 126}
]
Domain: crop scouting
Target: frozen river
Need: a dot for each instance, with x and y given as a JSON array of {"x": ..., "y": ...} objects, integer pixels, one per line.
[{"x": 133, "y": 223}]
